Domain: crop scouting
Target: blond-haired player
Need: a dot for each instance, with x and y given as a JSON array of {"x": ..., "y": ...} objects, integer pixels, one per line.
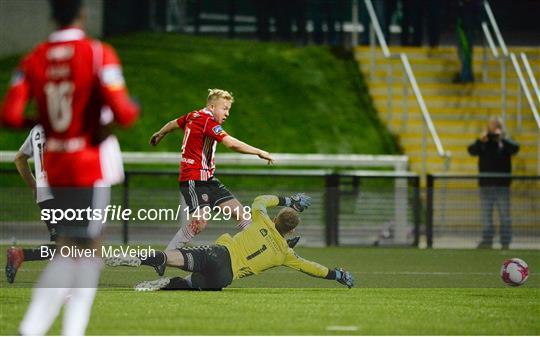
[
  {"x": 259, "y": 247},
  {"x": 198, "y": 185}
]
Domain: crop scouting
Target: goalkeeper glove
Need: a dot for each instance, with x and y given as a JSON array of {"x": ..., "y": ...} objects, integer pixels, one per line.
[
  {"x": 344, "y": 277},
  {"x": 298, "y": 202}
]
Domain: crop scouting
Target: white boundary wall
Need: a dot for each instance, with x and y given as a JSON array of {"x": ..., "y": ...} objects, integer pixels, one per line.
[
  {"x": 398, "y": 162},
  {"x": 25, "y": 23}
]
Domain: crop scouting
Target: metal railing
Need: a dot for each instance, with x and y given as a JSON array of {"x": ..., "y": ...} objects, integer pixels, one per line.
[
  {"x": 504, "y": 56},
  {"x": 523, "y": 86},
  {"x": 409, "y": 78}
]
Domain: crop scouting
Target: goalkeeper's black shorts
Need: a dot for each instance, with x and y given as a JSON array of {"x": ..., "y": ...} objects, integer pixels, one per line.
[{"x": 211, "y": 266}]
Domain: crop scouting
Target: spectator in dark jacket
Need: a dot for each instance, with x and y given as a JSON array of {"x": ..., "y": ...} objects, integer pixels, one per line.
[{"x": 495, "y": 152}]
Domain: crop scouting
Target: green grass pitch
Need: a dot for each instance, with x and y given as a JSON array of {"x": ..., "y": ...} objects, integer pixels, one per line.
[{"x": 399, "y": 291}]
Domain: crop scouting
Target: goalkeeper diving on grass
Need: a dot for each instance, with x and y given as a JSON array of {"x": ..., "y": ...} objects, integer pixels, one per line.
[{"x": 259, "y": 247}]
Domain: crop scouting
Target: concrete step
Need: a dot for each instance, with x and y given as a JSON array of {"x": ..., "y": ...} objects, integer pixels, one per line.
[
  {"x": 472, "y": 128},
  {"x": 363, "y": 59},
  {"x": 427, "y": 89},
  {"x": 437, "y": 65},
  {"x": 448, "y": 98},
  {"x": 459, "y": 111},
  {"x": 462, "y": 143},
  {"x": 445, "y": 75},
  {"x": 431, "y": 78},
  {"x": 463, "y": 118},
  {"x": 519, "y": 166},
  {"x": 452, "y": 101},
  {"x": 461, "y": 153},
  {"x": 447, "y": 135},
  {"x": 449, "y": 52},
  {"x": 493, "y": 71},
  {"x": 397, "y": 108}
]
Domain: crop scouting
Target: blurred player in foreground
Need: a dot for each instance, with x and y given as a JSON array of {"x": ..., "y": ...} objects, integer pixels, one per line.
[
  {"x": 71, "y": 78},
  {"x": 199, "y": 187},
  {"x": 33, "y": 146},
  {"x": 259, "y": 247}
]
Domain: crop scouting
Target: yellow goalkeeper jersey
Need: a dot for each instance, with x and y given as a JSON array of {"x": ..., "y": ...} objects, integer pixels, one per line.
[{"x": 260, "y": 246}]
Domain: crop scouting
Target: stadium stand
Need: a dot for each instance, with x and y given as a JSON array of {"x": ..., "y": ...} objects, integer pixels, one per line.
[{"x": 459, "y": 111}]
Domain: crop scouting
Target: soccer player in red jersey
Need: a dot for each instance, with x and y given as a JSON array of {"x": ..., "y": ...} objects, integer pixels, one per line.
[
  {"x": 198, "y": 185},
  {"x": 71, "y": 78}
]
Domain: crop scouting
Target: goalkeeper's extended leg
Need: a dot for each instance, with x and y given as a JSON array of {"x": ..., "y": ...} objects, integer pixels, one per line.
[
  {"x": 158, "y": 261},
  {"x": 165, "y": 283}
]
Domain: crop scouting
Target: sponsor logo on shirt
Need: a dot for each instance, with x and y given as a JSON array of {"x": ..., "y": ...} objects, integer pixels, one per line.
[
  {"x": 188, "y": 161},
  {"x": 60, "y": 53},
  {"x": 112, "y": 77},
  {"x": 218, "y": 129},
  {"x": 17, "y": 77},
  {"x": 58, "y": 71}
]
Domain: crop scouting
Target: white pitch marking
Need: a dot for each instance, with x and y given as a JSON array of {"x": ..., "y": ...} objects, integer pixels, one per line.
[{"x": 342, "y": 328}]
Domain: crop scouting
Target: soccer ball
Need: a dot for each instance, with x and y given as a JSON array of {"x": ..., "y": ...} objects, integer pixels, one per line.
[{"x": 514, "y": 272}]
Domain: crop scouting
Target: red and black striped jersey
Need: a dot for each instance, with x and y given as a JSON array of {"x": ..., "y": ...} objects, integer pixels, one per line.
[{"x": 201, "y": 135}]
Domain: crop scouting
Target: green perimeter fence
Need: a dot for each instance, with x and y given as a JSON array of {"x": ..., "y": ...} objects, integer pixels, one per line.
[
  {"x": 349, "y": 207},
  {"x": 368, "y": 208}
]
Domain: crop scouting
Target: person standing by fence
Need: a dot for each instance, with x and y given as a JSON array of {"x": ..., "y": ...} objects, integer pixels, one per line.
[{"x": 494, "y": 153}]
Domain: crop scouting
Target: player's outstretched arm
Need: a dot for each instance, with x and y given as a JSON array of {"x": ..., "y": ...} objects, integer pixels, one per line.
[
  {"x": 158, "y": 136},
  {"x": 292, "y": 260},
  {"x": 241, "y": 147}
]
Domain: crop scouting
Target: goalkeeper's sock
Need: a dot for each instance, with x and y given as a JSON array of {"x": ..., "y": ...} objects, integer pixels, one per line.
[
  {"x": 48, "y": 296},
  {"x": 78, "y": 307},
  {"x": 35, "y": 254},
  {"x": 154, "y": 260}
]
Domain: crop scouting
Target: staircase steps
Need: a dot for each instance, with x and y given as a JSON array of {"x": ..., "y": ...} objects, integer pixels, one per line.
[{"x": 459, "y": 111}]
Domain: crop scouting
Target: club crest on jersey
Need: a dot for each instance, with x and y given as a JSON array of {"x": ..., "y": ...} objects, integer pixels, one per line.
[
  {"x": 204, "y": 197},
  {"x": 217, "y": 129},
  {"x": 17, "y": 77},
  {"x": 264, "y": 232}
]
